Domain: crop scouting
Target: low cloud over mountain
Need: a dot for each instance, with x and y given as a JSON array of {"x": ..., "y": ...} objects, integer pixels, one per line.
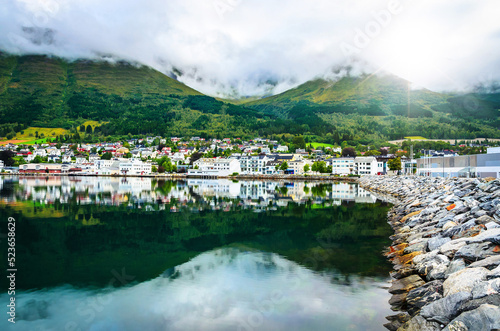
[{"x": 242, "y": 48}]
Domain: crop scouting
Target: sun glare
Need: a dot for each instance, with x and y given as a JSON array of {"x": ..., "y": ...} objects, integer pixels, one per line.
[{"x": 413, "y": 56}]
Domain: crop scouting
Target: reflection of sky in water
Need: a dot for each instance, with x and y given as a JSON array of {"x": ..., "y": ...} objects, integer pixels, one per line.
[{"x": 224, "y": 289}]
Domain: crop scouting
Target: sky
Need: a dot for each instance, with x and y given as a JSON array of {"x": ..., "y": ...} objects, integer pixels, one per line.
[{"x": 236, "y": 48}]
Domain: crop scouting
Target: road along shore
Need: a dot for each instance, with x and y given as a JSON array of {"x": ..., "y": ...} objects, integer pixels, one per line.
[{"x": 445, "y": 251}]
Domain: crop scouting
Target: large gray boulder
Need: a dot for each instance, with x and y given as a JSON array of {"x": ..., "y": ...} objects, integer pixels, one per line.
[
  {"x": 464, "y": 280},
  {"x": 436, "y": 243},
  {"x": 492, "y": 235},
  {"x": 483, "y": 289},
  {"x": 476, "y": 251},
  {"x": 434, "y": 267},
  {"x": 418, "y": 323},
  {"x": 451, "y": 247},
  {"x": 445, "y": 309},
  {"x": 455, "y": 265},
  {"x": 425, "y": 294},
  {"x": 489, "y": 262},
  {"x": 486, "y": 317},
  {"x": 406, "y": 284}
]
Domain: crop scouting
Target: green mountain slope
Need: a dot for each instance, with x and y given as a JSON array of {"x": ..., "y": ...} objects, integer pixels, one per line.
[
  {"x": 384, "y": 92},
  {"x": 51, "y": 92},
  {"x": 374, "y": 107}
]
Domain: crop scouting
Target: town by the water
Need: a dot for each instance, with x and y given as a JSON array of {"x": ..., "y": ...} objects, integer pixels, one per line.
[{"x": 232, "y": 157}]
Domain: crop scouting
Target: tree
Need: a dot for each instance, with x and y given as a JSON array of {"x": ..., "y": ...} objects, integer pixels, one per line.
[
  {"x": 320, "y": 167},
  {"x": 307, "y": 168},
  {"x": 7, "y": 157},
  {"x": 383, "y": 151},
  {"x": 299, "y": 142},
  {"x": 10, "y": 135},
  {"x": 195, "y": 157},
  {"x": 154, "y": 169},
  {"x": 372, "y": 152},
  {"x": 349, "y": 151},
  {"x": 161, "y": 169},
  {"x": 89, "y": 129},
  {"x": 284, "y": 166},
  {"x": 106, "y": 156},
  {"x": 82, "y": 128},
  {"x": 394, "y": 164},
  {"x": 37, "y": 159}
]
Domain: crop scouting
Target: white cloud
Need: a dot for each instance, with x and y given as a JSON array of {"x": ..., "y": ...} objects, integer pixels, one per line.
[{"x": 253, "y": 47}]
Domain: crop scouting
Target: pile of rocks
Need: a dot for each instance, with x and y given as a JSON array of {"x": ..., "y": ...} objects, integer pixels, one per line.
[{"x": 446, "y": 252}]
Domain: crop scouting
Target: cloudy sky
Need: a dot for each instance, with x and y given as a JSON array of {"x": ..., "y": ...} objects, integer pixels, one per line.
[{"x": 256, "y": 47}]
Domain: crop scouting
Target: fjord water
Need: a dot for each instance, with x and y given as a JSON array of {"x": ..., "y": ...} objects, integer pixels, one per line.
[{"x": 142, "y": 254}]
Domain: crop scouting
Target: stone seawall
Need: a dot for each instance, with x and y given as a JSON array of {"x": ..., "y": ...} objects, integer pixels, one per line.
[{"x": 446, "y": 252}]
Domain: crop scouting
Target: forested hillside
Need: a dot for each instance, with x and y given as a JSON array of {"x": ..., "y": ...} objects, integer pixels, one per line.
[{"x": 50, "y": 92}]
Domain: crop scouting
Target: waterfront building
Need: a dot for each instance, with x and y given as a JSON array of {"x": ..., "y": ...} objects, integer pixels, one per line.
[
  {"x": 342, "y": 166},
  {"x": 477, "y": 165},
  {"x": 215, "y": 167},
  {"x": 365, "y": 166}
]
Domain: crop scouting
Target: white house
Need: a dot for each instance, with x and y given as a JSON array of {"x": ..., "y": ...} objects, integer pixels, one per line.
[
  {"x": 298, "y": 166},
  {"x": 101, "y": 164},
  {"x": 80, "y": 160},
  {"x": 111, "y": 167},
  {"x": 270, "y": 168},
  {"x": 215, "y": 167},
  {"x": 282, "y": 149},
  {"x": 53, "y": 158},
  {"x": 94, "y": 157},
  {"x": 365, "y": 165},
  {"x": 177, "y": 157},
  {"x": 342, "y": 166},
  {"x": 135, "y": 167},
  {"x": 29, "y": 157},
  {"x": 66, "y": 158},
  {"x": 255, "y": 165},
  {"x": 40, "y": 152}
]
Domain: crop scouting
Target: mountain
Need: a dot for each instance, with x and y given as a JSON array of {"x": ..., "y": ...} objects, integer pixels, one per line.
[
  {"x": 40, "y": 91},
  {"x": 51, "y": 92},
  {"x": 371, "y": 107},
  {"x": 357, "y": 93}
]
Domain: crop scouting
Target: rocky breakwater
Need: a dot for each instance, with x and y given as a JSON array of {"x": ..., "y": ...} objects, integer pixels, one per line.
[{"x": 446, "y": 252}]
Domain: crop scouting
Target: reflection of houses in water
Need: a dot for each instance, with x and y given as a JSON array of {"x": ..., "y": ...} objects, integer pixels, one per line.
[
  {"x": 351, "y": 192},
  {"x": 215, "y": 194},
  {"x": 213, "y": 187},
  {"x": 257, "y": 190}
]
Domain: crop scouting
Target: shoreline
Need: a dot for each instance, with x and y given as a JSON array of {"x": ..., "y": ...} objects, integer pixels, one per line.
[{"x": 445, "y": 250}]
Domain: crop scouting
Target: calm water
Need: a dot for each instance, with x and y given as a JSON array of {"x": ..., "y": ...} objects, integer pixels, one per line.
[{"x": 140, "y": 254}]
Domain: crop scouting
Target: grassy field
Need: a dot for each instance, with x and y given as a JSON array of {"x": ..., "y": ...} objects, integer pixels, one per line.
[
  {"x": 316, "y": 145},
  {"x": 29, "y": 136},
  {"x": 416, "y": 138},
  {"x": 93, "y": 124}
]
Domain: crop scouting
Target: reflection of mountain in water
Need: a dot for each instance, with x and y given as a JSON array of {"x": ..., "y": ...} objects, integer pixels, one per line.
[{"x": 223, "y": 289}]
